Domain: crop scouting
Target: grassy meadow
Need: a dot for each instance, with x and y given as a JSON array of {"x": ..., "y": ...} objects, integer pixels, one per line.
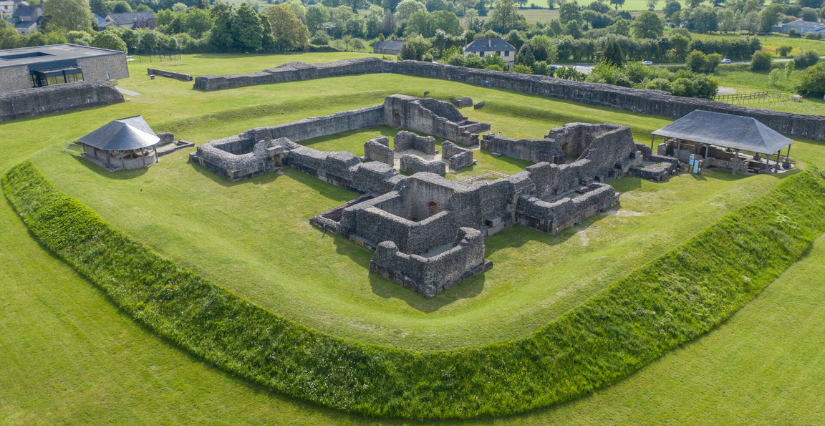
[{"x": 88, "y": 363}]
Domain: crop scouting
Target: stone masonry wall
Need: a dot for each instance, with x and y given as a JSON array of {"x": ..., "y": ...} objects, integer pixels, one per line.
[
  {"x": 456, "y": 156},
  {"x": 97, "y": 68},
  {"x": 378, "y": 149},
  {"x": 636, "y": 100},
  {"x": 413, "y": 164},
  {"x": 533, "y": 150},
  {"x": 63, "y": 97},
  {"x": 405, "y": 140},
  {"x": 15, "y": 78},
  {"x": 429, "y": 276}
]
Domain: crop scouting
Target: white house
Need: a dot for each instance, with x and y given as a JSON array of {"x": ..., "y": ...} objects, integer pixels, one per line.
[
  {"x": 492, "y": 46},
  {"x": 6, "y": 8}
]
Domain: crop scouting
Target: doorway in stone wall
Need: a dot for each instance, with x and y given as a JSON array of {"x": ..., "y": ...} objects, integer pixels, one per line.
[
  {"x": 432, "y": 208},
  {"x": 397, "y": 116}
]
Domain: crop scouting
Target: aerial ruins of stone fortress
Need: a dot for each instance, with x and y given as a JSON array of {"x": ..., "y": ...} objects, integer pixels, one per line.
[{"x": 428, "y": 231}]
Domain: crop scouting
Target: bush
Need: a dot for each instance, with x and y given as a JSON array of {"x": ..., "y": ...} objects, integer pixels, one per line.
[
  {"x": 108, "y": 40},
  {"x": 494, "y": 68},
  {"x": 681, "y": 295},
  {"x": 773, "y": 77},
  {"x": 805, "y": 60},
  {"x": 682, "y": 87},
  {"x": 784, "y": 50},
  {"x": 541, "y": 68},
  {"x": 813, "y": 36},
  {"x": 761, "y": 61},
  {"x": 813, "y": 80},
  {"x": 321, "y": 38},
  {"x": 456, "y": 60},
  {"x": 793, "y": 33},
  {"x": 522, "y": 69},
  {"x": 659, "y": 84},
  {"x": 696, "y": 61}
]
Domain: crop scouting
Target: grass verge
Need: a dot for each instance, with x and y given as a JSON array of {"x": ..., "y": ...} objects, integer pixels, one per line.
[{"x": 660, "y": 306}]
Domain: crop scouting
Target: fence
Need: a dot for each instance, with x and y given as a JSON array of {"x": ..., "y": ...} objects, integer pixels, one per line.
[
  {"x": 156, "y": 55},
  {"x": 768, "y": 95}
]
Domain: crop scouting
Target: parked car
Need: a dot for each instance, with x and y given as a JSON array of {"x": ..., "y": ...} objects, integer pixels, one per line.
[
  {"x": 726, "y": 61},
  {"x": 647, "y": 63}
]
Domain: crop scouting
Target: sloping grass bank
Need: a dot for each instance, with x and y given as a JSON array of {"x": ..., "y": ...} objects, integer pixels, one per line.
[{"x": 664, "y": 304}]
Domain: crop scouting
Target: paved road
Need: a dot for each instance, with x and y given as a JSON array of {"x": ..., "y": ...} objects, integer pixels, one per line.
[{"x": 587, "y": 68}]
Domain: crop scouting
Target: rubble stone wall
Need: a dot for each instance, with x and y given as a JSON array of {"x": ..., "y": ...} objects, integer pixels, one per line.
[
  {"x": 413, "y": 164},
  {"x": 636, "y": 100},
  {"x": 429, "y": 276},
  {"x": 62, "y": 97},
  {"x": 533, "y": 150},
  {"x": 405, "y": 140},
  {"x": 558, "y": 215},
  {"x": 456, "y": 156}
]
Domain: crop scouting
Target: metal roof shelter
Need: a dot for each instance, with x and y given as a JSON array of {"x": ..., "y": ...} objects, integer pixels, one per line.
[
  {"x": 726, "y": 130},
  {"x": 122, "y": 135},
  {"x": 126, "y": 143}
]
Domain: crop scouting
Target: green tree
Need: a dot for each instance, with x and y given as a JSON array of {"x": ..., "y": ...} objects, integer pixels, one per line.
[
  {"x": 769, "y": 17},
  {"x": 569, "y": 12},
  {"x": 761, "y": 61},
  {"x": 613, "y": 54},
  {"x": 647, "y": 25},
  {"x": 789, "y": 68},
  {"x": 220, "y": 36},
  {"x": 670, "y": 7},
  {"x": 573, "y": 29},
  {"x": 268, "y": 43},
  {"x": 70, "y": 15},
  {"x": 108, "y": 40},
  {"x": 651, "y": 4},
  {"x": 315, "y": 16},
  {"x": 696, "y": 61},
  {"x": 407, "y": 8},
  {"x": 505, "y": 17},
  {"x": 813, "y": 80},
  {"x": 118, "y": 7},
  {"x": 78, "y": 37},
  {"x": 288, "y": 30},
  {"x": 714, "y": 59},
  {"x": 198, "y": 22},
  {"x": 420, "y": 23},
  {"x": 621, "y": 27},
  {"x": 617, "y": 3},
  {"x": 246, "y": 29},
  {"x": 98, "y": 7},
  {"x": 447, "y": 21}
]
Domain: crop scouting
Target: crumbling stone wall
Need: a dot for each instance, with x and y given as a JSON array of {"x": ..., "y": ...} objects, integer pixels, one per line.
[
  {"x": 553, "y": 217},
  {"x": 456, "y": 156},
  {"x": 62, "y": 97},
  {"x": 431, "y": 275},
  {"x": 609, "y": 155},
  {"x": 321, "y": 126},
  {"x": 431, "y": 117},
  {"x": 378, "y": 149},
  {"x": 533, "y": 150},
  {"x": 413, "y": 164},
  {"x": 405, "y": 140},
  {"x": 636, "y": 100},
  {"x": 463, "y": 102}
]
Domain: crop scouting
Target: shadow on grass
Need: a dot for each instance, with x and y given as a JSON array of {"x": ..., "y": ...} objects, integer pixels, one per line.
[
  {"x": 464, "y": 290},
  {"x": 117, "y": 175}
]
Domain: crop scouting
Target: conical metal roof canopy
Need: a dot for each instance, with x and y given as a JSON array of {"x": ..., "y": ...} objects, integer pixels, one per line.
[
  {"x": 122, "y": 135},
  {"x": 726, "y": 130}
]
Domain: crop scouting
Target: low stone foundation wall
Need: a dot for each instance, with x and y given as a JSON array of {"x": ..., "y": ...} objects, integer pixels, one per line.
[
  {"x": 533, "y": 150},
  {"x": 405, "y": 141},
  {"x": 62, "y": 97},
  {"x": 169, "y": 74},
  {"x": 413, "y": 164},
  {"x": 456, "y": 156},
  {"x": 558, "y": 215},
  {"x": 429, "y": 276},
  {"x": 636, "y": 100},
  {"x": 378, "y": 149},
  {"x": 321, "y": 126}
]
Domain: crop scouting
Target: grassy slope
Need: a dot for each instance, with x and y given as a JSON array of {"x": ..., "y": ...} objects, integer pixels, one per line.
[
  {"x": 678, "y": 296},
  {"x": 523, "y": 292},
  {"x": 100, "y": 367}
]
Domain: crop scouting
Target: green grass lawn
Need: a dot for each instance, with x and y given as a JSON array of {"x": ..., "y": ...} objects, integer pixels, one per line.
[{"x": 87, "y": 363}]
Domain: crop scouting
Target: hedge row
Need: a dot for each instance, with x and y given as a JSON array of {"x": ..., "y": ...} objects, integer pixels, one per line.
[{"x": 669, "y": 301}]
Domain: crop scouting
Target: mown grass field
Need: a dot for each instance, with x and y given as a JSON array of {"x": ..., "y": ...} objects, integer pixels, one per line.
[{"x": 68, "y": 316}]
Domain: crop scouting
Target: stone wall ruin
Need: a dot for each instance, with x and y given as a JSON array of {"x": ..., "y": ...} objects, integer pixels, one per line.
[
  {"x": 637, "y": 100},
  {"x": 57, "y": 98},
  {"x": 428, "y": 231}
]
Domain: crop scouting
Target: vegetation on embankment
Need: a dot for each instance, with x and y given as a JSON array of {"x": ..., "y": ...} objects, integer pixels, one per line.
[{"x": 662, "y": 305}]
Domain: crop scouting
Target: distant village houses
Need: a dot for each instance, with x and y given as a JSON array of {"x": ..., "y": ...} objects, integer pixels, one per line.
[
  {"x": 131, "y": 20},
  {"x": 26, "y": 18},
  {"x": 492, "y": 46}
]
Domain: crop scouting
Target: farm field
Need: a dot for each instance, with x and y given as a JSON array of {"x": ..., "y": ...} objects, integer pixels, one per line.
[
  {"x": 771, "y": 43},
  {"x": 78, "y": 327}
]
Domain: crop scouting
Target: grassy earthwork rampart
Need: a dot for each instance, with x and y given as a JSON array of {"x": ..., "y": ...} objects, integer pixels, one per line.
[{"x": 669, "y": 301}]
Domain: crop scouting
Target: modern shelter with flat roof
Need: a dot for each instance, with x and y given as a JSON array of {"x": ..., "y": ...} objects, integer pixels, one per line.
[
  {"x": 39, "y": 66},
  {"x": 127, "y": 143},
  {"x": 702, "y": 132}
]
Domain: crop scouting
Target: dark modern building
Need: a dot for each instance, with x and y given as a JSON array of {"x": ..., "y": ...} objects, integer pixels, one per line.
[{"x": 41, "y": 66}]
